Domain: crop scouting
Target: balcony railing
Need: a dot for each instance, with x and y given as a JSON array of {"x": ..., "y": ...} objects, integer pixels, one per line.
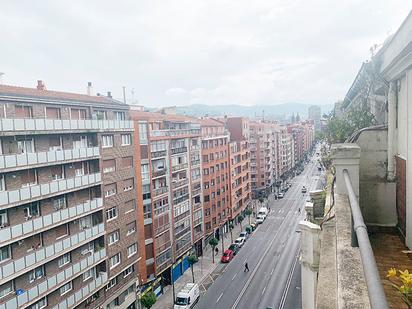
[
  {"x": 181, "y": 199},
  {"x": 159, "y": 191},
  {"x": 55, "y": 281},
  {"x": 23, "y": 230},
  {"x": 13, "y": 126},
  {"x": 178, "y": 150},
  {"x": 86, "y": 291},
  {"x": 30, "y": 160},
  {"x": 197, "y": 221},
  {"x": 174, "y": 132},
  {"x": 179, "y": 183},
  {"x": 195, "y": 162},
  {"x": 158, "y": 154},
  {"x": 159, "y": 173},
  {"x": 46, "y": 190},
  {"x": 179, "y": 167},
  {"x": 163, "y": 247},
  {"x": 375, "y": 288},
  {"x": 40, "y": 256}
]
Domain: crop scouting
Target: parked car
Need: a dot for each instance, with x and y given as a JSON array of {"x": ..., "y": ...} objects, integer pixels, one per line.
[
  {"x": 253, "y": 226},
  {"x": 304, "y": 190},
  {"x": 227, "y": 256},
  {"x": 280, "y": 195},
  {"x": 235, "y": 248},
  {"x": 244, "y": 235},
  {"x": 240, "y": 241},
  {"x": 260, "y": 219}
]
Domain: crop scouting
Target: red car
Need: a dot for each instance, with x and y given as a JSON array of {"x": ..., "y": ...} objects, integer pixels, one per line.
[{"x": 227, "y": 256}]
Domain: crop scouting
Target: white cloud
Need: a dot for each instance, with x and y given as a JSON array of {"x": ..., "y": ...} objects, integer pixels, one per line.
[{"x": 195, "y": 51}]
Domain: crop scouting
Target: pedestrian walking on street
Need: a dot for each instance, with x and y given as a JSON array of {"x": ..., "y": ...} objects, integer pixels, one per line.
[
  {"x": 246, "y": 267},
  {"x": 299, "y": 210}
]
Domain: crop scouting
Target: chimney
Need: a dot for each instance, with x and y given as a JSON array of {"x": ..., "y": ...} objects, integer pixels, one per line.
[
  {"x": 89, "y": 88},
  {"x": 109, "y": 94},
  {"x": 41, "y": 85}
]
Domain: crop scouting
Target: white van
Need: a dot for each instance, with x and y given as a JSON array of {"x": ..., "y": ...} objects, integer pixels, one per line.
[
  {"x": 263, "y": 211},
  {"x": 187, "y": 297}
]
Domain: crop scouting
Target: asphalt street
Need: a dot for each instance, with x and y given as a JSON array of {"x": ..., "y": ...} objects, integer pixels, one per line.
[{"x": 272, "y": 255}]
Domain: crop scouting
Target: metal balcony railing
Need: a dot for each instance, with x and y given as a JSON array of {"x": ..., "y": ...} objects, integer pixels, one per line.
[
  {"x": 19, "y": 231},
  {"x": 13, "y": 126},
  {"x": 35, "y": 258},
  {"x": 35, "y": 159},
  {"x": 179, "y": 167},
  {"x": 46, "y": 190},
  {"x": 53, "y": 282},
  {"x": 361, "y": 239},
  {"x": 82, "y": 294}
]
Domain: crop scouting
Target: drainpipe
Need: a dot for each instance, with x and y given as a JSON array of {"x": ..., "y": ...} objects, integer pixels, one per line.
[{"x": 392, "y": 102}]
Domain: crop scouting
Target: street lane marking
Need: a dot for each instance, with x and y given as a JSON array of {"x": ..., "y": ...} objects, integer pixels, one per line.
[
  {"x": 273, "y": 269},
  {"x": 219, "y": 298},
  {"x": 264, "y": 289},
  {"x": 234, "y": 277}
]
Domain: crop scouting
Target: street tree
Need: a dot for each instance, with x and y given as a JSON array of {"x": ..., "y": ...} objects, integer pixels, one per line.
[
  {"x": 148, "y": 299},
  {"x": 231, "y": 227},
  {"x": 213, "y": 242},
  {"x": 192, "y": 259},
  {"x": 240, "y": 219},
  {"x": 248, "y": 213}
]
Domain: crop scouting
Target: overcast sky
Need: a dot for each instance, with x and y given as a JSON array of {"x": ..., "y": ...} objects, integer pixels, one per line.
[{"x": 195, "y": 51}]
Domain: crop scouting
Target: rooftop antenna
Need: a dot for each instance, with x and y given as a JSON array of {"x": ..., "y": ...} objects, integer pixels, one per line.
[{"x": 1, "y": 77}]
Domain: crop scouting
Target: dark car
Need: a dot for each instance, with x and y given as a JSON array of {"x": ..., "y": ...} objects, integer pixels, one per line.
[
  {"x": 304, "y": 190},
  {"x": 227, "y": 256},
  {"x": 235, "y": 248}
]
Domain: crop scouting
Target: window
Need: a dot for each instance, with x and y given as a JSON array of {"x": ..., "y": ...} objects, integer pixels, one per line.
[
  {"x": 127, "y": 162},
  {"x": 52, "y": 113},
  {"x": 80, "y": 168},
  {"x": 145, "y": 171},
  {"x": 146, "y": 192},
  {"x": 100, "y": 115},
  {"x": 6, "y": 288},
  {"x": 32, "y": 210},
  {"x": 110, "y": 190},
  {"x": 55, "y": 143},
  {"x": 128, "y": 184},
  {"x": 3, "y": 218},
  {"x": 85, "y": 223},
  {"x": 126, "y": 139},
  {"x": 127, "y": 271},
  {"x": 114, "y": 261},
  {"x": 131, "y": 228},
  {"x": 80, "y": 141},
  {"x": 42, "y": 303},
  {"x": 111, "y": 283},
  {"x": 36, "y": 273},
  {"x": 24, "y": 111},
  {"x": 131, "y": 250},
  {"x": 57, "y": 172},
  {"x": 66, "y": 288},
  {"x": 130, "y": 206},
  {"x": 5, "y": 253},
  {"x": 25, "y": 145},
  {"x": 109, "y": 166},
  {"x": 114, "y": 237},
  {"x": 142, "y": 131},
  {"x": 111, "y": 213},
  {"x": 29, "y": 178},
  {"x": 59, "y": 203},
  {"x": 2, "y": 183},
  {"x": 64, "y": 259},
  {"x": 89, "y": 274},
  {"x": 107, "y": 141},
  {"x": 76, "y": 113},
  {"x": 120, "y": 115}
]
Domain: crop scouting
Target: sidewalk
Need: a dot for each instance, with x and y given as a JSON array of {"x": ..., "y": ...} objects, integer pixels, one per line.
[{"x": 201, "y": 269}]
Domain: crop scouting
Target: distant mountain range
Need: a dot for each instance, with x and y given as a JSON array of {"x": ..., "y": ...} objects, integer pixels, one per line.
[{"x": 275, "y": 112}]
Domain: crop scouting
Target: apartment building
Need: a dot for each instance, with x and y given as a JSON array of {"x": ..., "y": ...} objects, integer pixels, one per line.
[
  {"x": 298, "y": 137},
  {"x": 216, "y": 179},
  {"x": 286, "y": 151},
  {"x": 67, "y": 201},
  {"x": 168, "y": 148},
  {"x": 264, "y": 154},
  {"x": 239, "y": 162}
]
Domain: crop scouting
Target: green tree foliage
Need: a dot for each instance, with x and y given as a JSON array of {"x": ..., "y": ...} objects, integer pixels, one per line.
[
  {"x": 192, "y": 259},
  {"x": 148, "y": 299},
  {"x": 231, "y": 227},
  {"x": 240, "y": 219},
  {"x": 213, "y": 243},
  {"x": 248, "y": 213},
  {"x": 341, "y": 128}
]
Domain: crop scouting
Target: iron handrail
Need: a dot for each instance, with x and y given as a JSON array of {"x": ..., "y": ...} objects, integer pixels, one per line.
[{"x": 373, "y": 282}]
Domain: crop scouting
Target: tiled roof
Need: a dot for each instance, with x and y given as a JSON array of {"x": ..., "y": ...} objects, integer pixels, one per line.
[
  {"x": 155, "y": 116},
  {"x": 6, "y": 90},
  {"x": 211, "y": 122}
]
